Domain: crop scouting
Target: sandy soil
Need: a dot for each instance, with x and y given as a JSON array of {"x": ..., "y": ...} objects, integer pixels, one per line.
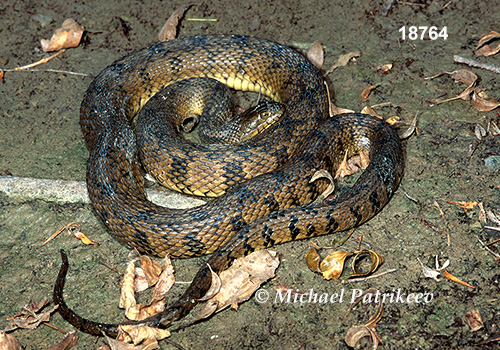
[{"x": 40, "y": 138}]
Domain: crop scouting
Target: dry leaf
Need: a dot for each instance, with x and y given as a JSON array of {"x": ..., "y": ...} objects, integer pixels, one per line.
[
  {"x": 9, "y": 342},
  {"x": 28, "y": 317},
  {"x": 460, "y": 76},
  {"x": 69, "y": 341},
  {"x": 69, "y": 35},
  {"x": 343, "y": 60},
  {"x": 127, "y": 296},
  {"x": 465, "y": 205},
  {"x": 334, "y": 110},
  {"x": 482, "y": 102},
  {"x": 356, "y": 333},
  {"x": 313, "y": 259},
  {"x": 75, "y": 230},
  {"x": 487, "y": 50},
  {"x": 333, "y": 265},
  {"x": 165, "y": 282},
  {"x": 369, "y": 110},
  {"x": 146, "y": 336},
  {"x": 147, "y": 275},
  {"x": 323, "y": 174},
  {"x": 473, "y": 319},
  {"x": 376, "y": 261},
  {"x": 169, "y": 29},
  {"x": 384, "y": 68},
  {"x": 316, "y": 55},
  {"x": 241, "y": 280},
  {"x": 366, "y": 93}
]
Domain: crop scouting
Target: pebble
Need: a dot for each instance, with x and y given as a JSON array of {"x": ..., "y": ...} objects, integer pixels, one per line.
[
  {"x": 42, "y": 19},
  {"x": 492, "y": 163}
]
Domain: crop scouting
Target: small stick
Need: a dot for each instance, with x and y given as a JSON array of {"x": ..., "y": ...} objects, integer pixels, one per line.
[
  {"x": 488, "y": 249},
  {"x": 47, "y": 70},
  {"x": 42, "y": 61},
  {"x": 473, "y": 63}
]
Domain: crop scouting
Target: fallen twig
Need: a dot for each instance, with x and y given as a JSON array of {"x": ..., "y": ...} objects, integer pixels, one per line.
[
  {"x": 473, "y": 63},
  {"x": 23, "y": 188}
]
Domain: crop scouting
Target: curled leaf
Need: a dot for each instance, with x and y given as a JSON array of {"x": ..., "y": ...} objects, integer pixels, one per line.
[
  {"x": 69, "y": 35},
  {"x": 365, "y": 94},
  {"x": 384, "y": 68},
  {"x": 313, "y": 259},
  {"x": 169, "y": 29},
  {"x": 483, "y": 49},
  {"x": 9, "y": 342},
  {"x": 241, "y": 280},
  {"x": 316, "y": 55},
  {"x": 473, "y": 319},
  {"x": 29, "y": 317},
  {"x": 356, "y": 333},
  {"x": 482, "y": 102},
  {"x": 333, "y": 265},
  {"x": 376, "y": 261},
  {"x": 343, "y": 60},
  {"x": 68, "y": 342}
]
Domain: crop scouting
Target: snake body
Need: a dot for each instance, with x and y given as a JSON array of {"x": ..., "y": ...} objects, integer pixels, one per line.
[{"x": 273, "y": 204}]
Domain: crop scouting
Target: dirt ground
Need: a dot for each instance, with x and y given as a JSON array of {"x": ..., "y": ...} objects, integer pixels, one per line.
[{"x": 41, "y": 138}]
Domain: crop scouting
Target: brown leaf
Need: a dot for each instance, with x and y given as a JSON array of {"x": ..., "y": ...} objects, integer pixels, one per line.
[
  {"x": 487, "y": 50},
  {"x": 241, "y": 280},
  {"x": 165, "y": 282},
  {"x": 72, "y": 229},
  {"x": 214, "y": 286},
  {"x": 9, "y": 342},
  {"x": 482, "y": 102},
  {"x": 343, "y": 60},
  {"x": 473, "y": 319},
  {"x": 69, "y": 341},
  {"x": 369, "y": 110},
  {"x": 69, "y": 35},
  {"x": 169, "y": 29},
  {"x": 146, "y": 336},
  {"x": 334, "y": 110},
  {"x": 316, "y": 55},
  {"x": 147, "y": 275},
  {"x": 28, "y": 317},
  {"x": 376, "y": 261},
  {"x": 384, "y": 68},
  {"x": 365, "y": 94},
  {"x": 467, "y": 206},
  {"x": 460, "y": 76},
  {"x": 313, "y": 259},
  {"x": 333, "y": 265}
]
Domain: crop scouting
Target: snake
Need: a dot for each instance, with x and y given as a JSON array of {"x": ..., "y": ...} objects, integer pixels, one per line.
[{"x": 263, "y": 186}]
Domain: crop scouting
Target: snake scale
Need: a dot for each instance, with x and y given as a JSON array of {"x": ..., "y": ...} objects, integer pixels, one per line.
[{"x": 265, "y": 181}]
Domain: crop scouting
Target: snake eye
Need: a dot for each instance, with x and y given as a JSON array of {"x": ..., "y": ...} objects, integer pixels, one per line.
[{"x": 189, "y": 123}]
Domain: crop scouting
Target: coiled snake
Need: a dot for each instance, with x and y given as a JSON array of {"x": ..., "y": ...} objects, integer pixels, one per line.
[{"x": 273, "y": 202}]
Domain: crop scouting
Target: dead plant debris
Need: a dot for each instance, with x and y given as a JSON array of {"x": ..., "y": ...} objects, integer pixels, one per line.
[
  {"x": 332, "y": 266},
  {"x": 68, "y": 36}
]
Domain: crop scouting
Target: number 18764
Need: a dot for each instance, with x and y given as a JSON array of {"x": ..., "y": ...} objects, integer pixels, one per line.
[{"x": 423, "y": 32}]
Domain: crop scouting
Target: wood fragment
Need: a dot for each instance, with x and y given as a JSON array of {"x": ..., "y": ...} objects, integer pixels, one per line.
[{"x": 476, "y": 64}]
